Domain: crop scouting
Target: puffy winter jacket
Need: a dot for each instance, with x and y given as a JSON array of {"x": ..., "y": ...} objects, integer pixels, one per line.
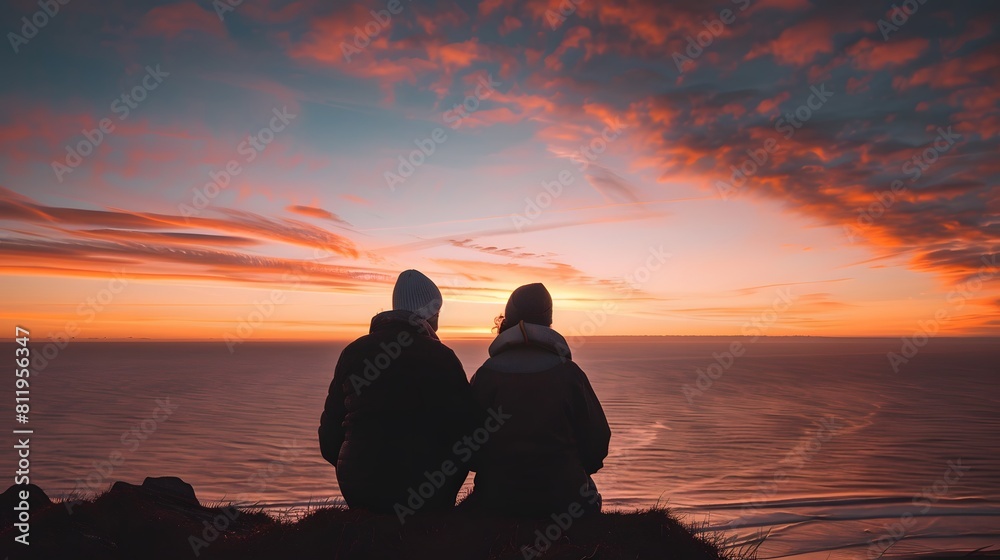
[
  {"x": 398, "y": 403},
  {"x": 539, "y": 461}
]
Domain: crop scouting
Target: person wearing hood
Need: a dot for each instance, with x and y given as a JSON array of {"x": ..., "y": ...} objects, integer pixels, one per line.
[
  {"x": 540, "y": 461},
  {"x": 398, "y": 402}
]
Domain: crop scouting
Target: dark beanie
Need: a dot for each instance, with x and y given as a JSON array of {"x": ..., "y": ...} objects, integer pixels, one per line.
[{"x": 530, "y": 303}]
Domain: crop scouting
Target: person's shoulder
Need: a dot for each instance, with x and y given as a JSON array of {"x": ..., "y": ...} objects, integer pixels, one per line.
[
  {"x": 561, "y": 363},
  {"x": 369, "y": 342},
  {"x": 432, "y": 347},
  {"x": 487, "y": 368},
  {"x": 386, "y": 334},
  {"x": 358, "y": 343},
  {"x": 572, "y": 370},
  {"x": 483, "y": 377},
  {"x": 417, "y": 337}
]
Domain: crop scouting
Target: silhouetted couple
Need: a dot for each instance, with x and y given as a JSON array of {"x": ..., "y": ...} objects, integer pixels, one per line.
[{"x": 403, "y": 427}]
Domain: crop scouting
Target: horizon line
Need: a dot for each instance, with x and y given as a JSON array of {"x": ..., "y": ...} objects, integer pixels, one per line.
[{"x": 486, "y": 337}]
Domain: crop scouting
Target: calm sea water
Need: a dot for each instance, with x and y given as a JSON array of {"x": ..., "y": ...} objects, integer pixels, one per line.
[{"x": 816, "y": 443}]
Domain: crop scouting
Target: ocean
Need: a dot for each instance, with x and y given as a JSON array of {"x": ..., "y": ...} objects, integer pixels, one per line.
[{"x": 823, "y": 445}]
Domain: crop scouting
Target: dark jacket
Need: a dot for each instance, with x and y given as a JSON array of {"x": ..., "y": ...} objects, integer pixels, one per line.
[
  {"x": 539, "y": 461},
  {"x": 398, "y": 403}
]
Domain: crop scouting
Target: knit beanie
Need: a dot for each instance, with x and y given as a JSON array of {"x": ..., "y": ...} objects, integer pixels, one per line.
[
  {"x": 530, "y": 303},
  {"x": 416, "y": 293}
]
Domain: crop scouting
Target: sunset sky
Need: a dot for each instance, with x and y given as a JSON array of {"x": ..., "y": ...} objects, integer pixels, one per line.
[{"x": 872, "y": 205}]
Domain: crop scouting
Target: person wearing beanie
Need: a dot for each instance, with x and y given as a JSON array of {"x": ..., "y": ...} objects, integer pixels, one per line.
[
  {"x": 398, "y": 402},
  {"x": 554, "y": 435},
  {"x": 531, "y": 304},
  {"x": 416, "y": 293}
]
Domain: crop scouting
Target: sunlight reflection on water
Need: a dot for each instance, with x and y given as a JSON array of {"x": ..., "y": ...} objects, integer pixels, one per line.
[{"x": 814, "y": 440}]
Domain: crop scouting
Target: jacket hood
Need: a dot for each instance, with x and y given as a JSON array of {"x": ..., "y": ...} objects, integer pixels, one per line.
[
  {"x": 533, "y": 335},
  {"x": 386, "y": 319}
]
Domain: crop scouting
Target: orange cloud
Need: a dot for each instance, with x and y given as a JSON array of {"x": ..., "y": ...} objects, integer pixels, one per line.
[
  {"x": 16, "y": 207},
  {"x": 768, "y": 105},
  {"x": 314, "y": 212},
  {"x": 952, "y": 73},
  {"x": 509, "y": 25},
  {"x": 872, "y": 55},
  {"x": 799, "y": 45},
  {"x": 356, "y": 199}
]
